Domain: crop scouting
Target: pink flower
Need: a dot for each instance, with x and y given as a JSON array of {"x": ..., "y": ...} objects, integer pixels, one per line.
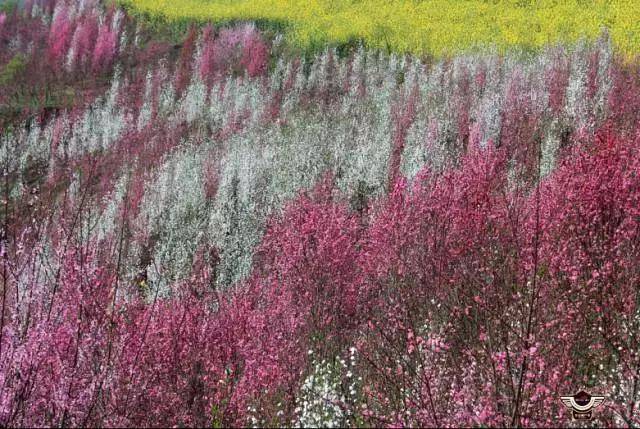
[{"x": 105, "y": 48}]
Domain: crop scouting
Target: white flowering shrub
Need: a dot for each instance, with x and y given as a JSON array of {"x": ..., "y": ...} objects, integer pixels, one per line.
[
  {"x": 176, "y": 213},
  {"x": 328, "y": 395},
  {"x": 101, "y": 125}
]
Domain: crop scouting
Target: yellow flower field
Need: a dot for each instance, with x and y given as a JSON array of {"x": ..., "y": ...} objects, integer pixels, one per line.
[{"x": 437, "y": 27}]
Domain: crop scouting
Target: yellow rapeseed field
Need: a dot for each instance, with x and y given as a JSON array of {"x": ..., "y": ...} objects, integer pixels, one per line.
[{"x": 436, "y": 27}]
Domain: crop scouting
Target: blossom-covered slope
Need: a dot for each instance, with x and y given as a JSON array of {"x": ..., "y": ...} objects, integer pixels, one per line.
[{"x": 223, "y": 231}]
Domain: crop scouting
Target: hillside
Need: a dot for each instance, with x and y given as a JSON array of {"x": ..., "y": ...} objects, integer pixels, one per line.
[{"x": 230, "y": 217}]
